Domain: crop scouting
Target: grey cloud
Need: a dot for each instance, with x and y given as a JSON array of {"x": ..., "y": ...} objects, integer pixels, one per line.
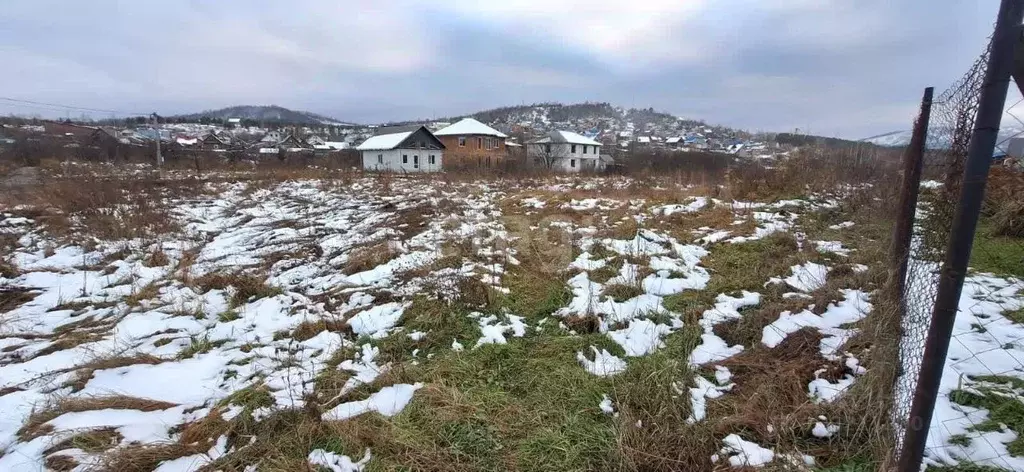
[{"x": 846, "y": 68}]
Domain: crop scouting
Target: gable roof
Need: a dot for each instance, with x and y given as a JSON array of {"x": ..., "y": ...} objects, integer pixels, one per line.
[
  {"x": 469, "y": 126},
  {"x": 396, "y": 129},
  {"x": 213, "y": 137},
  {"x": 393, "y": 140},
  {"x": 566, "y": 137},
  {"x": 382, "y": 142}
]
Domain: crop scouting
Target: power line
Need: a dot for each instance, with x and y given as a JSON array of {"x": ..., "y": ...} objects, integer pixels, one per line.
[{"x": 70, "y": 107}]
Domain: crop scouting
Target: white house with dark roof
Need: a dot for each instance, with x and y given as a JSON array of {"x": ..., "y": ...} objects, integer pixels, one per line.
[
  {"x": 402, "y": 149},
  {"x": 565, "y": 151}
]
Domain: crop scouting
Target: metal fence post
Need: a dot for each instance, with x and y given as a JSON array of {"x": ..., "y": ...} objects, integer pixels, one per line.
[
  {"x": 913, "y": 162},
  {"x": 965, "y": 221}
]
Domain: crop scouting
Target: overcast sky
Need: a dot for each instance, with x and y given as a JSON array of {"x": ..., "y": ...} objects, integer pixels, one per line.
[{"x": 834, "y": 67}]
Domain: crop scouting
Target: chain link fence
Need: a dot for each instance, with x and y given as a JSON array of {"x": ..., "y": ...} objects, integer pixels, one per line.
[{"x": 978, "y": 416}]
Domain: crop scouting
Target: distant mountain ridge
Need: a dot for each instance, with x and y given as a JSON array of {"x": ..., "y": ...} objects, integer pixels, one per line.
[
  {"x": 551, "y": 112},
  {"x": 936, "y": 139},
  {"x": 263, "y": 113}
]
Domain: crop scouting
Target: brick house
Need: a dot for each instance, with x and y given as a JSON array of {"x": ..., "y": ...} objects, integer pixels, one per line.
[{"x": 470, "y": 143}]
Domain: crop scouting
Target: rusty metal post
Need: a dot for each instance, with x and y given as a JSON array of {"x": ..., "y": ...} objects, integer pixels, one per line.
[
  {"x": 965, "y": 221},
  {"x": 913, "y": 162}
]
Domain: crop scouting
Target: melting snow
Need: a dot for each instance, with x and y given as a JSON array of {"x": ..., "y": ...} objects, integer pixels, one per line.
[
  {"x": 337, "y": 462},
  {"x": 389, "y": 401},
  {"x": 743, "y": 453},
  {"x": 807, "y": 277},
  {"x": 604, "y": 364}
]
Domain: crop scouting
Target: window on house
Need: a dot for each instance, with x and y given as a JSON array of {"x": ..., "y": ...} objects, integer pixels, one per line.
[
  {"x": 547, "y": 148},
  {"x": 573, "y": 150},
  {"x": 488, "y": 161},
  {"x": 405, "y": 158},
  {"x": 415, "y": 162},
  {"x": 431, "y": 159},
  {"x": 584, "y": 149},
  {"x": 479, "y": 142},
  {"x": 380, "y": 158},
  {"x": 572, "y": 162},
  {"x": 462, "y": 142}
]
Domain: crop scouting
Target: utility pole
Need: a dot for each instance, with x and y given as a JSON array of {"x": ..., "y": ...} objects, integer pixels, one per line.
[{"x": 156, "y": 127}]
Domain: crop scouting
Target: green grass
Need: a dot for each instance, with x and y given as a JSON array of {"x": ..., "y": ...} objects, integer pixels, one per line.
[
  {"x": 251, "y": 398},
  {"x": 525, "y": 405},
  {"x": 1016, "y": 316},
  {"x": 855, "y": 465},
  {"x": 535, "y": 296},
  {"x": 965, "y": 467},
  {"x": 961, "y": 440},
  {"x": 1013, "y": 382},
  {"x": 747, "y": 266},
  {"x": 441, "y": 321},
  {"x": 1003, "y": 407},
  {"x": 999, "y": 255},
  {"x": 199, "y": 345}
]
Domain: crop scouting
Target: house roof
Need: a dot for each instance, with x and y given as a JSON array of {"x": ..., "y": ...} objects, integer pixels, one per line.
[
  {"x": 396, "y": 129},
  {"x": 384, "y": 141},
  {"x": 469, "y": 126},
  {"x": 393, "y": 137},
  {"x": 567, "y": 137}
]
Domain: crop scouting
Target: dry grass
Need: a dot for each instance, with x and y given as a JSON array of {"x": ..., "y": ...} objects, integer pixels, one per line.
[
  {"x": 413, "y": 221},
  {"x": 528, "y": 406},
  {"x": 621, "y": 293},
  {"x": 68, "y": 340},
  {"x": 184, "y": 270},
  {"x": 107, "y": 208},
  {"x": 194, "y": 438},
  {"x": 368, "y": 257},
  {"x": 1004, "y": 202},
  {"x": 309, "y": 329},
  {"x": 84, "y": 372},
  {"x": 771, "y": 384},
  {"x": 147, "y": 292},
  {"x": 156, "y": 258},
  {"x": 60, "y": 463},
  {"x": 36, "y": 425},
  {"x": 13, "y": 297},
  {"x": 94, "y": 441},
  {"x": 246, "y": 287},
  {"x": 145, "y": 458},
  {"x": 8, "y": 270}
]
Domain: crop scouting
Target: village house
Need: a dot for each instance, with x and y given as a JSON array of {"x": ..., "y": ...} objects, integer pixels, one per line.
[
  {"x": 214, "y": 142},
  {"x": 272, "y": 137},
  {"x": 292, "y": 144},
  {"x": 314, "y": 141},
  {"x": 470, "y": 143},
  {"x": 565, "y": 151},
  {"x": 402, "y": 149}
]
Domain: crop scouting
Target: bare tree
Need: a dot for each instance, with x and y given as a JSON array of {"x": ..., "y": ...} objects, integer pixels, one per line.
[{"x": 546, "y": 154}]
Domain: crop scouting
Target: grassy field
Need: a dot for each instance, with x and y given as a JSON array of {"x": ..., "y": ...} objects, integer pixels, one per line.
[{"x": 371, "y": 322}]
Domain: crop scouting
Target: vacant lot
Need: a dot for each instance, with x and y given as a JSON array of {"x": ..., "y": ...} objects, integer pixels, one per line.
[{"x": 361, "y": 322}]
